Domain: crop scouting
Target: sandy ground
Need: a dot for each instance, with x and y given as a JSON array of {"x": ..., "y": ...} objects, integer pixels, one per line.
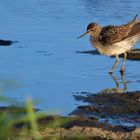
[{"x": 91, "y": 132}]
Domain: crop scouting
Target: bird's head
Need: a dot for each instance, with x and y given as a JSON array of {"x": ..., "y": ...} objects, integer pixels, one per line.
[{"x": 91, "y": 30}]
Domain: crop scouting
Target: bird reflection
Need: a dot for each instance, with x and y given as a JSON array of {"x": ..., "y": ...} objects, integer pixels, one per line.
[{"x": 117, "y": 89}]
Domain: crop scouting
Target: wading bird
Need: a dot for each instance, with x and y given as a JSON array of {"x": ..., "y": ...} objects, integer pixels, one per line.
[{"x": 114, "y": 40}]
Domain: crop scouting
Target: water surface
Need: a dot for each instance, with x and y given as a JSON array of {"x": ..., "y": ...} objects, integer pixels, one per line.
[{"x": 45, "y": 64}]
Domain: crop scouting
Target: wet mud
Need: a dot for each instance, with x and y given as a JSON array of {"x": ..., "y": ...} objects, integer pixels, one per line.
[
  {"x": 117, "y": 109},
  {"x": 88, "y": 128},
  {"x": 113, "y": 116}
]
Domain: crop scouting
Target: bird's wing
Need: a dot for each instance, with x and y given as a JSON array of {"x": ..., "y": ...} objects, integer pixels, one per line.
[
  {"x": 135, "y": 31},
  {"x": 113, "y": 34}
]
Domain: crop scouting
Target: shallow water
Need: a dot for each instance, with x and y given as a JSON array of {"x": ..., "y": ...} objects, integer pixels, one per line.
[{"x": 44, "y": 63}]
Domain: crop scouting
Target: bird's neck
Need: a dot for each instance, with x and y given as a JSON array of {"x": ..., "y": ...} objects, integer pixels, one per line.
[{"x": 97, "y": 32}]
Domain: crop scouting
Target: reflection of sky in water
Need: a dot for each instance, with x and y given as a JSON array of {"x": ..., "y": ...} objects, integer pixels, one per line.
[{"x": 45, "y": 62}]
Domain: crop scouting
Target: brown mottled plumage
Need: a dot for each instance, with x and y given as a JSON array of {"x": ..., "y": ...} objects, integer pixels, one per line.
[
  {"x": 114, "y": 40},
  {"x": 113, "y": 34}
]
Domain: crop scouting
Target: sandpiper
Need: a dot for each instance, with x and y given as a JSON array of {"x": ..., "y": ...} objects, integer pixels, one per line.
[{"x": 114, "y": 40}]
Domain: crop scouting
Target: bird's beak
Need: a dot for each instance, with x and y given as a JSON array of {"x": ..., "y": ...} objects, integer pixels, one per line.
[{"x": 87, "y": 32}]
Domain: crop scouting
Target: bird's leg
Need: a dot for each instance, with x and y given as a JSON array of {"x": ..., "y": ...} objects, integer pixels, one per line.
[
  {"x": 124, "y": 59},
  {"x": 116, "y": 82},
  {"x": 124, "y": 82},
  {"x": 113, "y": 67}
]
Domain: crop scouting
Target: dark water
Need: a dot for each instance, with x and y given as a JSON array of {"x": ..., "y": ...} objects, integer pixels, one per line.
[{"x": 44, "y": 64}]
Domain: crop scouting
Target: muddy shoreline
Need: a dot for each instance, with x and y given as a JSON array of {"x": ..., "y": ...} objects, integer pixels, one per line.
[
  {"x": 82, "y": 128},
  {"x": 92, "y": 121}
]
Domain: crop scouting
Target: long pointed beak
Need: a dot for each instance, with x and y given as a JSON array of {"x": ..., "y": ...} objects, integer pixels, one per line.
[{"x": 83, "y": 34}]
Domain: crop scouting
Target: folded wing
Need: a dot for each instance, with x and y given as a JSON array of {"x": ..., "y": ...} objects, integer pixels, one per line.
[{"x": 113, "y": 34}]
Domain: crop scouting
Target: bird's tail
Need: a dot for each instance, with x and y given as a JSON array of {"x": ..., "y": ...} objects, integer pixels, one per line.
[{"x": 135, "y": 18}]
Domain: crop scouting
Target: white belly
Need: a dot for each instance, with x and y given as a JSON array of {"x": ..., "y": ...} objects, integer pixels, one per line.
[{"x": 116, "y": 48}]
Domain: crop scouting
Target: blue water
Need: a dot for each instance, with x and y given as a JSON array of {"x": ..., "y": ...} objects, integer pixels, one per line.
[{"x": 44, "y": 63}]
